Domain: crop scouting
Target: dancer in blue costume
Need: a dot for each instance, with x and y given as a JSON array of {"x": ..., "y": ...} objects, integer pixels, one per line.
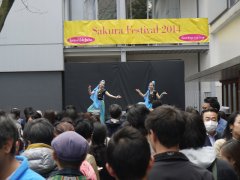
[
  {"x": 150, "y": 95},
  {"x": 97, "y": 96}
]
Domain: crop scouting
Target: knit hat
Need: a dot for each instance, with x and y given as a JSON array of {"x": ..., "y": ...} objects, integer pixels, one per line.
[{"x": 70, "y": 146}]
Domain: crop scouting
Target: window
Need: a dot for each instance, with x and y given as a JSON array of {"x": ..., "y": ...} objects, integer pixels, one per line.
[
  {"x": 137, "y": 9},
  {"x": 166, "y": 8},
  {"x": 149, "y": 9},
  {"x": 107, "y": 9},
  {"x": 232, "y": 2},
  {"x": 207, "y": 94},
  {"x": 93, "y": 9},
  {"x": 231, "y": 94}
]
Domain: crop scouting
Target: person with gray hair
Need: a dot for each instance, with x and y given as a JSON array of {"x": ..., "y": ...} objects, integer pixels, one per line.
[{"x": 39, "y": 133}]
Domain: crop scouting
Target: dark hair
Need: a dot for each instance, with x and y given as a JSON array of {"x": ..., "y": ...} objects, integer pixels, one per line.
[
  {"x": 72, "y": 164},
  {"x": 36, "y": 115},
  {"x": 61, "y": 127},
  {"x": 58, "y": 116},
  {"x": 84, "y": 128},
  {"x": 38, "y": 131},
  {"x": 28, "y": 111},
  {"x": 190, "y": 109},
  {"x": 71, "y": 112},
  {"x": 50, "y": 115},
  {"x": 98, "y": 148},
  {"x": 99, "y": 134},
  {"x": 210, "y": 110},
  {"x": 195, "y": 132},
  {"x": 89, "y": 116},
  {"x": 213, "y": 102},
  {"x": 115, "y": 111},
  {"x": 230, "y": 150},
  {"x": 231, "y": 119},
  {"x": 136, "y": 117},
  {"x": 66, "y": 119},
  {"x": 128, "y": 153},
  {"x": 8, "y": 130},
  {"x": 168, "y": 124},
  {"x": 11, "y": 116},
  {"x": 2, "y": 112},
  {"x": 156, "y": 103},
  {"x": 70, "y": 106},
  {"x": 16, "y": 112}
]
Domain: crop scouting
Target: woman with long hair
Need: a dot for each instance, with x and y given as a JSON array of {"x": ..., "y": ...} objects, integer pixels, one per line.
[
  {"x": 232, "y": 131},
  {"x": 151, "y": 95},
  {"x": 97, "y": 96},
  {"x": 230, "y": 152}
]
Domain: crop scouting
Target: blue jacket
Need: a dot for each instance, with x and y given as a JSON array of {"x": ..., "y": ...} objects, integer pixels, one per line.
[
  {"x": 23, "y": 172},
  {"x": 222, "y": 123}
]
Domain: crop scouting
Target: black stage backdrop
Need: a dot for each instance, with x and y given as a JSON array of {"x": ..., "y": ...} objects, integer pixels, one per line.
[{"x": 123, "y": 78}]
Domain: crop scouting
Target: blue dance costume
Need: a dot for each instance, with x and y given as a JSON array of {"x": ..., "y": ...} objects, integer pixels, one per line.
[
  {"x": 150, "y": 97},
  {"x": 98, "y": 103}
]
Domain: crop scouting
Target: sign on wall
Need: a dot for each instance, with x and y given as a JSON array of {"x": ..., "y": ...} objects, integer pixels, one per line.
[{"x": 150, "y": 31}]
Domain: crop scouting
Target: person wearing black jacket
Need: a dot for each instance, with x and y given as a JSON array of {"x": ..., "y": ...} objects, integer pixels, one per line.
[{"x": 166, "y": 127}]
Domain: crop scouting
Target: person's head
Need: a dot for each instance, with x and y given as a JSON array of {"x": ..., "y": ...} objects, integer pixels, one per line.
[
  {"x": 101, "y": 84},
  {"x": 31, "y": 114},
  {"x": 67, "y": 119},
  {"x": 12, "y": 116},
  {"x": 2, "y": 112},
  {"x": 136, "y": 117},
  {"x": 71, "y": 112},
  {"x": 151, "y": 85},
  {"x": 84, "y": 128},
  {"x": 8, "y": 137},
  {"x": 233, "y": 126},
  {"x": 210, "y": 119},
  {"x": 28, "y": 112},
  {"x": 166, "y": 126},
  {"x": 50, "y": 115},
  {"x": 16, "y": 112},
  {"x": 195, "y": 132},
  {"x": 115, "y": 111},
  {"x": 156, "y": 103},
  {"x": 38, "y": 131},
  {"x": 61, "y": 127},
  {"x": 230, "y": 152},
  {"x": 70, "y": 150},
  {"x": 211, "y": 102},
  {"x": 59, "y": 116},
  {"x": 190, "y": 109},
  {"x": 128, "y": 155},
  {"x": 90, "y": 117},
  {"x": 99, "y": 134}
]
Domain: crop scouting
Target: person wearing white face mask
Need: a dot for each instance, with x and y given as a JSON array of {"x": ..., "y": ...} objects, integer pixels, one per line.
[{"x": 210, "y": 119}]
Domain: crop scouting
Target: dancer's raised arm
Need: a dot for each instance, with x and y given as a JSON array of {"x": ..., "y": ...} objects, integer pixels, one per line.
[
  {"x": 161, "y": 95},
  {"x": 90, "y": 90},
  {"x": 112, "y": 96},
  {"x": 140, "y": 93}
]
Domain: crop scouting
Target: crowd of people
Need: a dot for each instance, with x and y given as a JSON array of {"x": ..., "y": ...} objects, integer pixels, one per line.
[{"x": 159, "y": 143}]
